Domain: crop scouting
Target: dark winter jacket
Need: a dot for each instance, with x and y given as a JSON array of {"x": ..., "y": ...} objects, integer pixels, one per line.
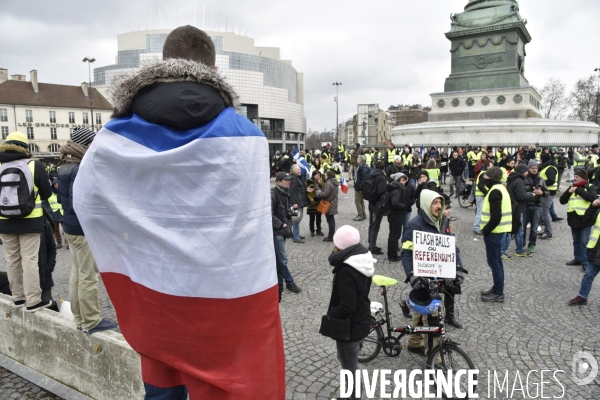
[
  {"x": 397, "y": 198},
  {"x": 417, "y": 165},
  {"x": 457, "y": 166},
  {"x": 593, "y": 254},
  {"x": 515, "y": 185},
  {"x": 380, "y": 183},
  {"x": 352, "y": 269},
  {"x": 330, "y": 193},
  {"x": 430, "y": 185},
  {"x": 588, "y": 192},
  {"x": 47, "y": 254},
  {"x": 4, "y": 285},
  {"x": 53, "y": 174},
  {"x": 66, "y": 179},
  {"x": 392, "y": 169},
  {"x": 410, "y": 195},
  {"x": 280, "y": 211},
  {"x": 532, "y": 182},
  {"x": 13, "y": 152},
  {"x": 361, "y": 174},
  {"x": 444, "y": 162},
  {"x": 298, "y": 194}
]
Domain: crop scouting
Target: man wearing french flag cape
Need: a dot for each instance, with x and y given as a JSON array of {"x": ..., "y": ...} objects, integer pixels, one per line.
[{"x": 174, "y": 199}]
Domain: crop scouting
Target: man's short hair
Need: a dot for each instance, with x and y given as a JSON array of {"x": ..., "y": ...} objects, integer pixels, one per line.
[
  {"x": 190, "y": 43},
  {"x": 380, "y": 165}
]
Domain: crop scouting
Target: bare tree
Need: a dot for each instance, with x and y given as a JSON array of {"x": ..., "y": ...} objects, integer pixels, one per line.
[
  {"x": 584, "y": 99},
  {"x": 313, "y": 141},
  {"x": 554, "y": 104}
]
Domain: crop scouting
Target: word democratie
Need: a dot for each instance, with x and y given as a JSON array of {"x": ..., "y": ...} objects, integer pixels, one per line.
[{"x": 428, "y": 384}]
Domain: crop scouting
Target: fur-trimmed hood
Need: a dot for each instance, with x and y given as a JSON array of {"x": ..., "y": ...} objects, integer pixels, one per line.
[
  {"x": 12, "y": 152},
  {"x": 127, "y": 86},
  {"x": 13, "y": 148}
]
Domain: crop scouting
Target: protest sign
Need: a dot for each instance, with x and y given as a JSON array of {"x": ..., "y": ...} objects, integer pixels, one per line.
[{"x": 434, "y": 256}]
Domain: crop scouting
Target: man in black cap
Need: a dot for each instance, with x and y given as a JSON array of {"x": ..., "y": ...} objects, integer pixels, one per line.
[
  {"x": 520, "y": 196},
  {"x": 83, "y": 281},
  {"x": 282, "y": 229}
]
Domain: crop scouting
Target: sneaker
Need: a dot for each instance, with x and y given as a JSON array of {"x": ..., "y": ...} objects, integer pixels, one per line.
[
  {"x": 539, "y": 229},
  {"x": 394, "y": 259},
  {"x": 302, "y": 237},
  {"x": 417, "y": 350},
  {"x": 493, "y": 298},
  {"x": 376, "y": 252},
  {"x": 531, "y": 248},
  {"x": 524, "y": 254},
  {"x": 478, "y": 233},
  {"x": 528, "y": 226},
  {"x": 319, "y": 233},
  {"x": 358, "y": 218},
  {"x": 328, "y": 239},
  {"x": 39, "y": 306},
  {"x": 19, "y": 303},
  {"x": 506, "y": 257},
  {"x": 312, "y": 234},
  {"x": 545, "y": 236},
  {"x": 574, "y": 262},
  {"x": 104, "y": 325},
  {"x": 487, "y": 292},
  {"x": 299, "y": 241},
  {"x": 294, "y": 288},
  {"x": 557, "y": 219},
  {"x": 577, "y": 301}
]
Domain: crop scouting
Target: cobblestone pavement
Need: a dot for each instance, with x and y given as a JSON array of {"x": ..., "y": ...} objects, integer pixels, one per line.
[{"x": 532, "y": 330}]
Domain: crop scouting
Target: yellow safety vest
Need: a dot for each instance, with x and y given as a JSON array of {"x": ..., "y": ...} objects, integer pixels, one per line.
[
  {"x": 392, "y": 153},
  {"x": 504, "y": 175},
  {"x": 475, "y": 157},
  {"x": 407, "y": 159},
  {"x": 578, "y": 204},
  {"x": 477, "y": 191},
  {"x": 593, "y": 163},
  {"x": 338, "y": 172},
  {"x": 324, "y": 167},
  {"x": 499, "y": 155},
  {"x": 554, "y": 186},
  {"x": 595, "y": 234},
  {"x": 579, "y": 163},
  {"x": 505, "y": 225},
  {"x": 37, "y": 209},
  {"x": 434, "y": 174},
  {"x": 368, "y": 159},
  {"x": 538, "y": 154},
  {"x": 55, "y": 206}
]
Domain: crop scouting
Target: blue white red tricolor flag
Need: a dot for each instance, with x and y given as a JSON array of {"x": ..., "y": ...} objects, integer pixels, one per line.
[
  {"x": 179, "y": 223},
  {"x": 344, "y": 185},
  {"x": 301, "y": 161}
]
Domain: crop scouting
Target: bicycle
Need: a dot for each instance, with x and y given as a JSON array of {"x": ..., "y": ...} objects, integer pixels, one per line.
[
  {"x": 464, "y": 192},
  {"x": 446, "y": 356}
]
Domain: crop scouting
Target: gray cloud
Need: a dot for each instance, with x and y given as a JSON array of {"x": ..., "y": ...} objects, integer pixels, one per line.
[{"x": 385, "y": 52}]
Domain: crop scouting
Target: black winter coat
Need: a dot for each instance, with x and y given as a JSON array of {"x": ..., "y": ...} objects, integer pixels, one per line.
[
  {"x": 66, "y": 179},
  {"x": 457, "y": 166},
  {"x": 515, "y": 185},
  {"x": 350, "y": 293},
  {"x": 588, "y": 192},
  {"x": 444, "y": 159},
  {"x": 47, "y": 254},
  {"x": 397, "y": 198},
  {"x": 410, "y": 194},
  {"x": 280, "y": 212},
  {"x": 361, "y": 173},
  {"x": 380, "y": 183},
  {"x": 298, "y": 194}
]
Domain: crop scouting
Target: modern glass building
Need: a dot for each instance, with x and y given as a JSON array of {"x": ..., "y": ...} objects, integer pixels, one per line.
[{"x": 271, "y": 90}]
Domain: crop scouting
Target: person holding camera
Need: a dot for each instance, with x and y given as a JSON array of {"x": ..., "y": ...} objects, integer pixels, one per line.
[
  {"x": 533, "y": 212},
  {"x": 430, "y": 219},
  {"x": 281, "y": 212}
]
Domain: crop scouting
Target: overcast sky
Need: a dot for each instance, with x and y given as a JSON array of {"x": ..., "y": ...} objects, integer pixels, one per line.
[{"x": 386, "y": 52}]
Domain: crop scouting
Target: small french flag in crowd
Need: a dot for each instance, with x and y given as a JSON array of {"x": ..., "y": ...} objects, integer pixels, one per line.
[{"x": 344, "y": 185}]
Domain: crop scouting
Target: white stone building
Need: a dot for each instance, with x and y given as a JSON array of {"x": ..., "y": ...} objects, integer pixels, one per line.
[{"x": 48, "y": 113}]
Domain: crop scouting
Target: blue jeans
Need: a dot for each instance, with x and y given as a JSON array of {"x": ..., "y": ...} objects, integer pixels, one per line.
[
  {"x": 172, "y": 393},
  {"x": 552, "y": 212},
  {"x": 581, "y": 237},
  {"x": 586, "y": 283},
  {"x": 281, "y": 260},
  {"x": 532, "y": 216},
  {"x": 479, "y": 204},
  {"x": 505, "y": 243},
  {"x": 296, "y": 225},
  {"x": 413, "y": 182},
  {"x": 547, "y": 203},
  {"x": 494, "y": 259},
  {"x": 519, "y": 237}
]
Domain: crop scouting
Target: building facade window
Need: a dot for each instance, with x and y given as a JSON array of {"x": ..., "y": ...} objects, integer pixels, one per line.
[
  {"x": 4, "y": 132},
  {"x": 33, "y": 148},
  {"x": 53, "y": 133},
  {"x": 30, "y": 132},
  {"x": 85, "y": 118},
  {"x": 71, "y": 117},
  {"x": 52, "y": 117},
  {"x": 98, "y": 118},
  {"x": 28, "y": 115},
  {"x": 54, "y": 148},
  {"x": 3, "y": 115}
]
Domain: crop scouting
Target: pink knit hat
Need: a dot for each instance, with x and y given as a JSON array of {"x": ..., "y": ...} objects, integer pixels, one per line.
[{"x": 346, "y": 236}]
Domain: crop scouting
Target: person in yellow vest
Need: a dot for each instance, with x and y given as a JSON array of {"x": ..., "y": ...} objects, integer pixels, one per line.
[
  {"x": 391, "y": 152},
  {"x": 579, "y": 158},
  {"x": 579, "y": 197},
  {"x": 593, "y": 254},
  {"x": 368, "y": 158},
  {"x": 549, "y": 174},
  {"x": 324, "y": 164},
  {"x": 500, "y": 152},
  {"x": 496, "y": 223},
  {"x": 480, "y": 191},
  {"x": 20, "y": 234},
  {"x": 433, "y": 171},
  {"x": 56, "y": 212}
]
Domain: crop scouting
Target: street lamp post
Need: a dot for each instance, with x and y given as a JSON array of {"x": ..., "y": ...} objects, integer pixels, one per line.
[
  {"x": 337, "y": 125},
  {"x": 597, "y": 93},
  {"x": 90, "y": 60}
]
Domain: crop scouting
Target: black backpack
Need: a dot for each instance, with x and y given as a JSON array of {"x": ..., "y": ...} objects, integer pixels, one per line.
[
  {"x": 17, "y": 195},
  {"x": 383, "y": 205},
  {"x": 369, "y": 188}
]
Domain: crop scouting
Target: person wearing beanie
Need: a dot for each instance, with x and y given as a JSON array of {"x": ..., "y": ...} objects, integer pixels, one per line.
[
  {"x": 507, "y": 165},
  {"x": 398, "y": 203},
  {"x": 353, "y": 267},
  {"x": 394, "y": 167},
  {"x": 21, "y": 236},
  {"x": 416, "y": 164},
  {"x": 425, "y": 182},
  {"x": 480, "y": 190},
  {"x": 496, "y": 224},
  {"x": 549, "y": 173},
  {"x": 579, "y": 196},
  {"x": 533, "y": 211},
  {"x": 518, "y": 194}
]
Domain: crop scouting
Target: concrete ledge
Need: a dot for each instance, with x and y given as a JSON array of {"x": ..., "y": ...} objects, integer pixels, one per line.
[{"x": 44, "y": 344}]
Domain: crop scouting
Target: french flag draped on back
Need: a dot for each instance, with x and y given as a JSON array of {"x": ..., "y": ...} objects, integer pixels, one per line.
[
  {"x": 344, "y": 185},
  {"x": 179, "y": 223},
  {"x": 302, "y": 163}
]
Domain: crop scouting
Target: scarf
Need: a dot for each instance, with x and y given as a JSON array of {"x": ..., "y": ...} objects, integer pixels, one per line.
[
  {"x": 580, "y": 184},
  {"x": 72, "y": 152}
]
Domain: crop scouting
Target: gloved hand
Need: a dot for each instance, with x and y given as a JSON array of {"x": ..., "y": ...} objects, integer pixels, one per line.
[
  {"x": 418, "y": 282},
  {"x": 460, "y": 278},
  {"x": 448, "y": 283}
]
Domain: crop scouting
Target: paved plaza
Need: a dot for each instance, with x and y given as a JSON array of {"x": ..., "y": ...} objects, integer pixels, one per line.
[{"x": 532, "y": 330}]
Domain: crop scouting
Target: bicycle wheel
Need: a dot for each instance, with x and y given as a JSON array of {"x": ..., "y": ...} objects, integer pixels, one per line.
[
  {"x": 462, "y": 201},
  {"x": 453, "y": 359},
  {"x": 371, "y": 345}
]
